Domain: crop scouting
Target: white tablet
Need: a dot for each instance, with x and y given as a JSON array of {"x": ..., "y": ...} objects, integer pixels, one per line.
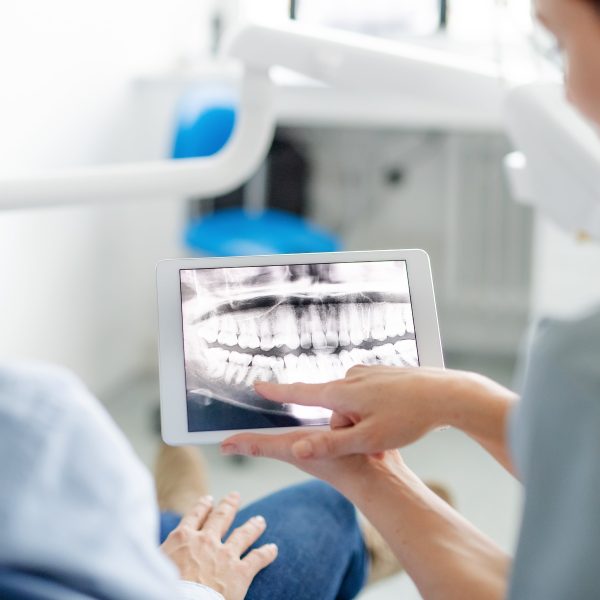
[{"x": 227, "y": 322}]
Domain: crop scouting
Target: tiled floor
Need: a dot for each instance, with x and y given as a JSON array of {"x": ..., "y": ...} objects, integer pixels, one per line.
[{"x": 484, "y": 493}]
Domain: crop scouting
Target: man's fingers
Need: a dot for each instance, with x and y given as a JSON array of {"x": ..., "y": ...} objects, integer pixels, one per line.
[
  {"x": 196, "y": 516},
  {"x": 260, "y": 558},
  {"x": 307, "y": 394},
  {"x": 221, "y": 517},
  {"x": 245, "y": 535},
  {"x": 256, "y": 444}
]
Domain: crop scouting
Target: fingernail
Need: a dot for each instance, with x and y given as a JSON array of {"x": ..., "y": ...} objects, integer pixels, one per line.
[
  {"x": 229, "y": 449},
  {"x": 302, "y": 449}
]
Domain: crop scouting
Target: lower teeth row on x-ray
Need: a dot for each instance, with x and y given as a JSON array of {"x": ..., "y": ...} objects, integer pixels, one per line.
[{"x": 311, "y": 343}]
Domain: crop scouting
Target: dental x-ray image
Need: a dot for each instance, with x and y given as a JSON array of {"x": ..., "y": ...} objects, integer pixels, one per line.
[{"x": 287, "y": 323}]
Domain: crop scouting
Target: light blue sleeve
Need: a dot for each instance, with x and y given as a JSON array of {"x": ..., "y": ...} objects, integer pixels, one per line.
[
  {"x": 189, "y": 590},
  {"x": 555, "y": 440},
  {"x": 76, "y": 504}
]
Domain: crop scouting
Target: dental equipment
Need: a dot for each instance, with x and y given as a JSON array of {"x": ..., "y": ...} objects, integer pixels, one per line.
[
  {"x": 557, "y": 167},
  {"x": 337, "y": 59}
]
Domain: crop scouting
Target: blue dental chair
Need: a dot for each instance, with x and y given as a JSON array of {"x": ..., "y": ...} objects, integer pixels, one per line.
[{"x": 205, "y": 121}]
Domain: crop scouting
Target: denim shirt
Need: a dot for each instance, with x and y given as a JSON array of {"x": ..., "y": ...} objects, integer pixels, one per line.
[
  {"x": 555, "y": 440},
  {"x": 78, "y": 515}
]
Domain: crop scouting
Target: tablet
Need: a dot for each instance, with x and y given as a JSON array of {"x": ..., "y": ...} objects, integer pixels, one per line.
[{"x": 225, "y": 323}]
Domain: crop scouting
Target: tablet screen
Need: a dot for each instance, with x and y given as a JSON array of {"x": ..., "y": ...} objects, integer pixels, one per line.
[{"x": 287, "y": 323}]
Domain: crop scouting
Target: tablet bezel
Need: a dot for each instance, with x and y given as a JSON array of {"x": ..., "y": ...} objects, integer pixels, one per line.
[{"x": 174, "y": 418}]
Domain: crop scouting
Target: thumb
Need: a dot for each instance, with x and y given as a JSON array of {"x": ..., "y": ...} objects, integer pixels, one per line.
[{"x": 330, "y": 444}]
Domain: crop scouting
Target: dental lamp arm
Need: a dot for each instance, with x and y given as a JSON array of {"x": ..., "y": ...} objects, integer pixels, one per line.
[
  {"x": 350, "y": 61},
  {"x": 557, "y": 166},
  {"x": 342, "y": 60},
  {"x": 212, "y": 175}
]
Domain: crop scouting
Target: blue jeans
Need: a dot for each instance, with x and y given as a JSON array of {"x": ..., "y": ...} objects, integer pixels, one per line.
[{"x": 321, "y": 550}]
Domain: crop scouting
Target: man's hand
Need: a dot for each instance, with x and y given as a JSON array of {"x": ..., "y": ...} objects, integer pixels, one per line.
[{"x": 197, "y": 549}]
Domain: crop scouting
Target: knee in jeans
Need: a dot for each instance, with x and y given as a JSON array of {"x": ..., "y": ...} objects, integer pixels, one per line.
[{"x": 330, "y": 499}]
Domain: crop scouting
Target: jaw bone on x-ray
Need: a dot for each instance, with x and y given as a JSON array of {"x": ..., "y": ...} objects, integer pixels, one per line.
[{"x": 288, "y": 323}]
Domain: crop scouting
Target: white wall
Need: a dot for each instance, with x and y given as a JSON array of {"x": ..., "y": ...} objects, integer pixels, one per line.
[
  {"x": 76, "y": 284},
  {"x": 565, "y": 276}
]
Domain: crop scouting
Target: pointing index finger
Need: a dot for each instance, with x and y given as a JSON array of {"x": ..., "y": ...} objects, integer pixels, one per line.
[{"x": 306, "y": 394}]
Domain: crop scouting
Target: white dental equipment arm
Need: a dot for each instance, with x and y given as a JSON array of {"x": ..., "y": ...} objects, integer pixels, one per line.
[
  {"x": 337, "y": 59},
  {"x": 211, "y": 175},
  {"x": 357, "y": 62},
  {"x": 557, "y": 167}
]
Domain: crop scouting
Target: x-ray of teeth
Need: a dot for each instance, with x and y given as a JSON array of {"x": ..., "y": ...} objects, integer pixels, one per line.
[{"x": 287, "y": 323}]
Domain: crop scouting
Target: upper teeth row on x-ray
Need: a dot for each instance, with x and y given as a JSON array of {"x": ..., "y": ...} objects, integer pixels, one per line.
[
  {"x": 312, "y": 343},
  {"x": 316, "y": 327},
  {"x": 296, "y": 322}
]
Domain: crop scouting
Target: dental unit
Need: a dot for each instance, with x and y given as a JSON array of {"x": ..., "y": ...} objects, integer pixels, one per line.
[
  {"x": 556, "y": 165},
  {"x": 336, "y": 59}
]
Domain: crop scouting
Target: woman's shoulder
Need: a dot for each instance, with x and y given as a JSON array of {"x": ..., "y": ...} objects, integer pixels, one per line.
[
  {"x": 569, "y": 348},
  {"x": 561, "y": 379},
  {"x": 561, "y": 390},
  {"x": 555, "y": 445}
]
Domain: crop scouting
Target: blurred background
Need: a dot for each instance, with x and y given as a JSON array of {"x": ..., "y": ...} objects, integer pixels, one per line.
[{"x": 102, "y": 82}]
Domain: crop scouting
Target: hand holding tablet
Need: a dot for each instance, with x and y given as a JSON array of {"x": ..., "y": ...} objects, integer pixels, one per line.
[
  {"x": 228, "y": 322},
  {"x": 374, "y": 409}
]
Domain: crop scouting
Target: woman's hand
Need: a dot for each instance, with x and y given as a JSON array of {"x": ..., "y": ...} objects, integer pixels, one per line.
[
  {"x": 381, "y": 408},
  {"x": 196, "y": 548}
]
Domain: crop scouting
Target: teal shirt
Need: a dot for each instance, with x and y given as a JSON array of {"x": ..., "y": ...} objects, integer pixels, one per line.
[{"x": 555, "y": 441}]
